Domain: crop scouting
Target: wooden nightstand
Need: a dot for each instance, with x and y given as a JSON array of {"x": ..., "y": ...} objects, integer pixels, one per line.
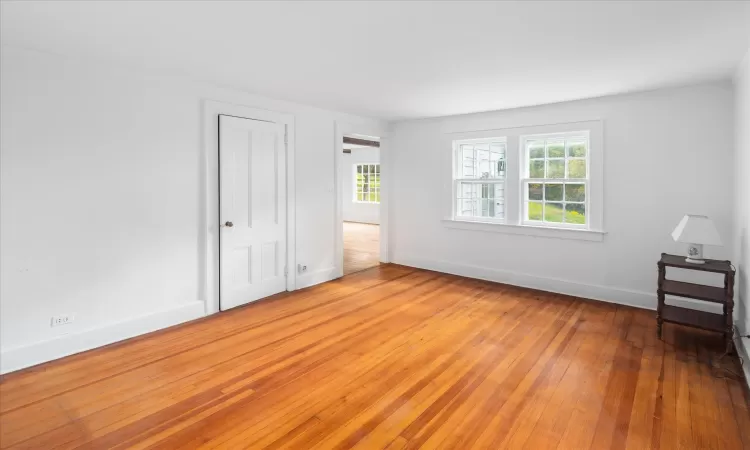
[{"x": 691, "y": 317}]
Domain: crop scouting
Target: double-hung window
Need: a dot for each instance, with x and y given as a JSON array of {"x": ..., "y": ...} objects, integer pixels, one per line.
[
  {"x": 555, "y": 179},
  {"x": 367, "y": 183},
  {"x": 541, "y": 180},
  {"x": 479, "y": 179}
]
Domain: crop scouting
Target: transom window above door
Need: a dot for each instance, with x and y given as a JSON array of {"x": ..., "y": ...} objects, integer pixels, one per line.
[
  {"x": 367, "y": 183},
  {"x": 479, "y": 179}
]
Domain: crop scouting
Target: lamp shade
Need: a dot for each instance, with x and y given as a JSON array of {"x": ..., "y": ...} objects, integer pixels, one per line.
[{"x": 695, "y": 229}]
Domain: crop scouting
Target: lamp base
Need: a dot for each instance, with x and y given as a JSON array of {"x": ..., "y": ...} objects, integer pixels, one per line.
[{"x": 695, "y": 254}]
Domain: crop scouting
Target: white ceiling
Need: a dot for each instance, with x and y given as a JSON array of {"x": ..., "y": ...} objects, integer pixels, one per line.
[{"x": 396, "y": 60}]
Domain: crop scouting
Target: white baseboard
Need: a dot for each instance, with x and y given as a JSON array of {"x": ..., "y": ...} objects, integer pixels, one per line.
[
  {"x": 638, "y": 299},
  {"x": 362, "y": 222},
  {"x": 317, "y": 277},
  {"x": 21, "y": 357},
  {"x": 744, "y": 354}
]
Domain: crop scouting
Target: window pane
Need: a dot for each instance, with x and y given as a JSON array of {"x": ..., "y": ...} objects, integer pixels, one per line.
[
  {"x": 555, "y": 169},
  {"x": 577, "y": 168},
  {"x": 372, "y": 168},
  {"x": 497, "y": 160},
  {"x": 359, "y": 168},
  {"x": 488, "y": 191},
  {"x": 483, "y": 164},
  {"x": 467, "y": 161},
  {"x": 364, "y": 187},
  {"x": 577, "y": 148},
  {"x": 575, "y": 193},
  {"x": 536, "y": 149},
  {"x": 575, "y": 213},
  {"x": 463, "y": 207},
  {"x": 465, "y": 190},
  {"x": 359, "y": 196},
  {"x": 553, "y": 212},
  {"x": 535, "y": 211},
  {"x": 555, "y": 148},
  {"x": 535, "y": 191},
  {"x": 553, "y": 192},
  {"x": 536, "y": 169},
  {"x": 498, "y": 150},
  {"x": 372, "y": 196},
  {"x": 486, "y": 207},
  {"x": 500, "y": 169},
  {"x": 377, "y": 169}
]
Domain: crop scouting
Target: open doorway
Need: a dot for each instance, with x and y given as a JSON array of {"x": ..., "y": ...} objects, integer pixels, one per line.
[{"x": 361, "y": 202}]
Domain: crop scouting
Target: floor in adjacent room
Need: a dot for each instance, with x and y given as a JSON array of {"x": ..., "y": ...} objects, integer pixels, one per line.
[
  {"x": 392, "y": 357},
  {"x": 361, "y": 246}
]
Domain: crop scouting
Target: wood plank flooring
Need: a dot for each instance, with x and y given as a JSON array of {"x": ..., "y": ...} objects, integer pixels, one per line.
[
  {"x": 361, "y": 246},
  {"x": 391, "y": 357}
]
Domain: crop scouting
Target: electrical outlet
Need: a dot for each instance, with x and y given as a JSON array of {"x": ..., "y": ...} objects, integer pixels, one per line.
[
  {"x": 301, "y": 268},
  {"x": 62, "y": 319}
]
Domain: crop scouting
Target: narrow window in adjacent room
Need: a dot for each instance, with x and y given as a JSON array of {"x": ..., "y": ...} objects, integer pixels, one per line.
[{"x": 367, "y": 183}]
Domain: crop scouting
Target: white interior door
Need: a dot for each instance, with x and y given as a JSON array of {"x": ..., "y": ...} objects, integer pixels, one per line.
[{"x": 252, "y": 217}]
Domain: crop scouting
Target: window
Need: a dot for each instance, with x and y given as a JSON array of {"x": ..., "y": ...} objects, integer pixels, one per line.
[
  {"x": 538, "y": 180},
  {"x": 367, "y": 183},
  {"x": 555, "y": 179},
  {"x": 479, "y": 179}
]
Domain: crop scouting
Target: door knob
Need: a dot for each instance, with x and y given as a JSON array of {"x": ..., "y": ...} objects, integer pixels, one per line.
[{"x": 229, "y": 224}]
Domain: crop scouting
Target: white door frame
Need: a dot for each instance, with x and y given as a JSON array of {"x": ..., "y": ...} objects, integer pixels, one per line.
[
  {"x": 210, "y": 190},
  {"x": 342, "y": 129}
]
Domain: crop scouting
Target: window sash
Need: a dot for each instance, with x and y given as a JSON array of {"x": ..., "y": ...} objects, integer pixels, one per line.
[
  {"x": 526, "y": 159},
  {"x": 459, "y": 163},
  {"x": 482, "y": 203},
  {"x": 524, "y": 183}
]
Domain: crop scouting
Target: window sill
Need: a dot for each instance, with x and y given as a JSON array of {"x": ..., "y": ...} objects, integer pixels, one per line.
[{"x": 528, "y": 230}]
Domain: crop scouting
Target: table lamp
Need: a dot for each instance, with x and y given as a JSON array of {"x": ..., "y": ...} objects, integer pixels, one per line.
[{"x": 696, "y": 231}]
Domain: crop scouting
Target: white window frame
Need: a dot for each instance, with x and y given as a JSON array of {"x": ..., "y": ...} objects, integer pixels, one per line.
[
  {"x": 526, "y": 179},
  {"x": 457, "y": 179},
  {"x": 516, "y": 174},
  {"x": 354, "y": 188}
]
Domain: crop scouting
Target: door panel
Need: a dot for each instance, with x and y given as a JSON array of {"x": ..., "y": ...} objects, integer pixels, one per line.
[{"x": 252, "y": 193}]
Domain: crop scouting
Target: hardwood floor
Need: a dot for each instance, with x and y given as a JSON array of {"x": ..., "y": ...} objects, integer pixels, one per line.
[
  {"x": 361, "y": 246},
  {"x": 391, "y": 357}
]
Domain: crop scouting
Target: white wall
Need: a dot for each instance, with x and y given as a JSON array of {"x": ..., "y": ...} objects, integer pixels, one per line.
[
  {"x": 666, "y": 153},
  {"x": 102, "y": 200},
  {"x": 353, "y": 211},
  {"x": 742, "y": 194}
]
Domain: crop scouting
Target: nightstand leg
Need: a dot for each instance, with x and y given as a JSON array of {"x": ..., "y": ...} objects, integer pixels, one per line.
[
  {"x": 729, "y": 311},
  {"x": 729, "y": 343},
  {"x": 660, "y": 298}
]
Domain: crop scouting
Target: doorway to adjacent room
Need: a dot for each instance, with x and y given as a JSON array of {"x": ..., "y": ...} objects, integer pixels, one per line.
[{"x": 361, "y": 191}]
